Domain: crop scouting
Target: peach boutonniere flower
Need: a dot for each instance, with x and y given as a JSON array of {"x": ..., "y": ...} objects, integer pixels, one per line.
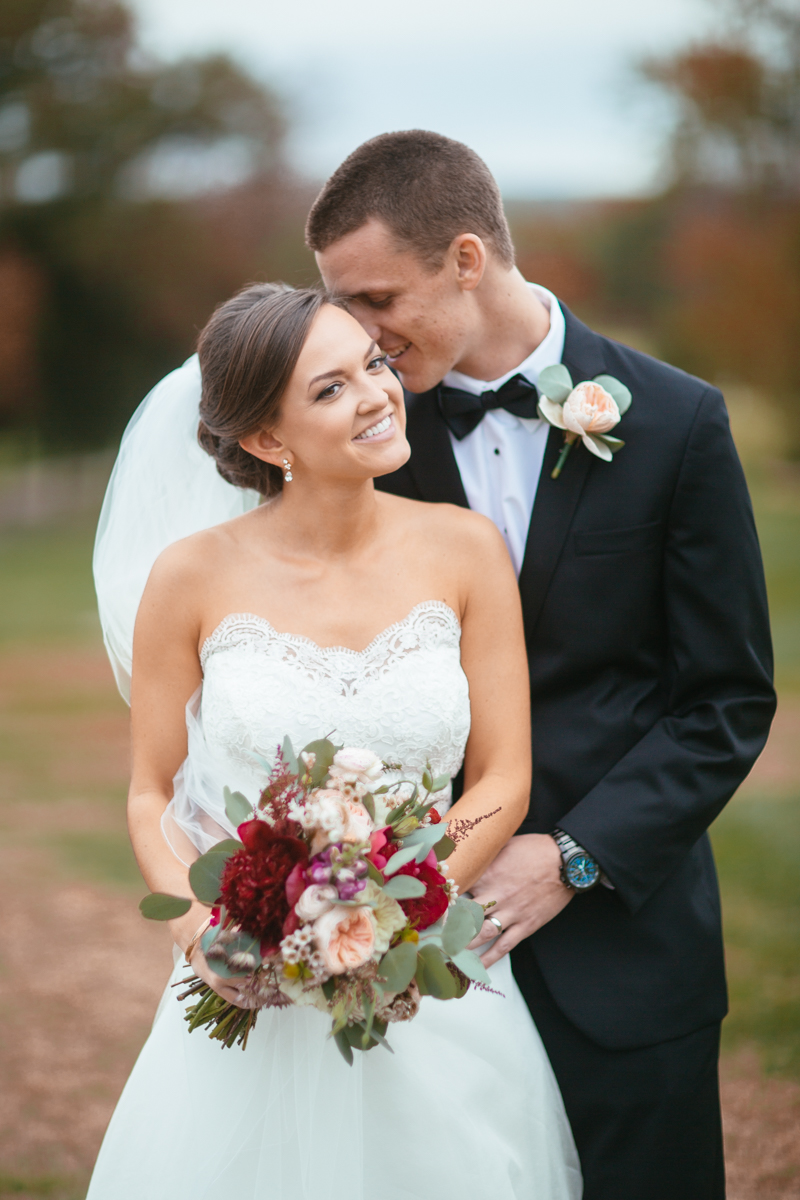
[{"x": 586, "y": 411}]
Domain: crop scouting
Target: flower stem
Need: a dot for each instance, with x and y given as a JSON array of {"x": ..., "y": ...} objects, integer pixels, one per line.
[{"x": 569, "y": 439}]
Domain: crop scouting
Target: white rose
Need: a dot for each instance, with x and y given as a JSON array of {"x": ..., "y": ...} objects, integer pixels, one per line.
[
  {"x": 315, "y": 901},
  {"x": 387, "y": 914},
  {"x": 356, "y": 765}
]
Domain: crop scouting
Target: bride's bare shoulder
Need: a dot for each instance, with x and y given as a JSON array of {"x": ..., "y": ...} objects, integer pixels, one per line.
[
  {"x": 193, "y": 558},
  {"x": 448, "y": 525}
]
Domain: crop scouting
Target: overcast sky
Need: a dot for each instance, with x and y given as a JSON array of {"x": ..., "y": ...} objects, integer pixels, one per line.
[{"x": 544, "y": 91}]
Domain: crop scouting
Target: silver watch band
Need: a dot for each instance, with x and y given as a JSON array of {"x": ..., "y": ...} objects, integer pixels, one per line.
[{"x": 568, "y": 846}]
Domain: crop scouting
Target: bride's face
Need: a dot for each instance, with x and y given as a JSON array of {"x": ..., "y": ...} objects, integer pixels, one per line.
[{"x": 342, "y": 415}]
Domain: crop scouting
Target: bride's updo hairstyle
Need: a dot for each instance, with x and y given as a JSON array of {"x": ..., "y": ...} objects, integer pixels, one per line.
[{"x": 248, "y": 351}]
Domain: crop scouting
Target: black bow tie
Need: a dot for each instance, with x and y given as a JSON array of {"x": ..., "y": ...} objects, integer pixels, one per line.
[{"x": 464, "y": 411}]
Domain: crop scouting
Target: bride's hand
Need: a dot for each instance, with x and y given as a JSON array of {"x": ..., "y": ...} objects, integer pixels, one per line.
[
  {"x": 227, "y": 988},
  {"x": 525, "y": 883},
  {"x": 183, "y": 931}
]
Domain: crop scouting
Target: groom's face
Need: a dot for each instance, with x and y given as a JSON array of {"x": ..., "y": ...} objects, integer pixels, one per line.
[{"x": 419, "y": 318}]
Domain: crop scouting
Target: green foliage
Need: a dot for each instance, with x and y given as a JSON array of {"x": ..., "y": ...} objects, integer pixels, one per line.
[
  {"x": 206, "y": 871},
  {"x": 159, "y": 906},
  {"x": 404, "y": 887},
  {"x": 757, "y": 847},
  {"x": 124, "y": 275},
  {"x": 237, "y": 807},
  {"x": 398, "y": 966},
  {"x": 556, "y": 383}
]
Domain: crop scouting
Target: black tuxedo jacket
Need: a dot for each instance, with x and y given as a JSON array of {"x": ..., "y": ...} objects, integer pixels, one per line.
[{"x": 651, "y": 686}]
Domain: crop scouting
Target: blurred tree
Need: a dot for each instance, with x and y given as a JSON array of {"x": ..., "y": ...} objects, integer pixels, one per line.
[
  {"x": 730, "y": 251},
  {"x": 103, "y": 155}
]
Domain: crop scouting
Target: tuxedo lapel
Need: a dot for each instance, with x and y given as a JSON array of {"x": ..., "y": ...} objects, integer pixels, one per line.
[
  {"x": 432, "y": 463},
  {"x": 557, "y": 499}
]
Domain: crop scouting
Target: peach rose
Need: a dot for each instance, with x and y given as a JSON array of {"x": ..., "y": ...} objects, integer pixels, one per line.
[
  {"x": 589, "y": 408},
  {"x": 587, "y": 411},
  {"x": 358, "y": 827},
  {"x": 345, "y": 938}
]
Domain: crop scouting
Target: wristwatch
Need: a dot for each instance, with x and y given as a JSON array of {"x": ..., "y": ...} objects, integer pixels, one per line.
[{"x": 578, "y": 869}]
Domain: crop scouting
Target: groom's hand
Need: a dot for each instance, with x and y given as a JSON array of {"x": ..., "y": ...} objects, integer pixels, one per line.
[{"x": 525, "y": 882}]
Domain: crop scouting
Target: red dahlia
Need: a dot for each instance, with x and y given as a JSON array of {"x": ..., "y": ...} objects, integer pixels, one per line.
[
  {"x": 425, "y": 910},
  {"x": 253, "y": 884}
]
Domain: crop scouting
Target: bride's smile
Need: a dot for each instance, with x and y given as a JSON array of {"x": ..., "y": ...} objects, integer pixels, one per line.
[{"x": 342, "y": 416}]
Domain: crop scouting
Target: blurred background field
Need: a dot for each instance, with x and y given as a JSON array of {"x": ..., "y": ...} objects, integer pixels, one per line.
[{"x": 142, "y": 181}]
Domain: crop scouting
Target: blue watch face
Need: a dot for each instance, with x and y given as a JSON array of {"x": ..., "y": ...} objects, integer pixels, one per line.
[{"x": 582, "y": 871}]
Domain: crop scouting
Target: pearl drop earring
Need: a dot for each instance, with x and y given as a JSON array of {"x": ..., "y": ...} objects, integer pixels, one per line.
[{"x": 287, "y": 468}]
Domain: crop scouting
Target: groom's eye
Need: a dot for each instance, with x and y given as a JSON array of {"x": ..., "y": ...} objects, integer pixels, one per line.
[
  {"x": 379, "y": 301},
  {"x": 376, "y": 363}
]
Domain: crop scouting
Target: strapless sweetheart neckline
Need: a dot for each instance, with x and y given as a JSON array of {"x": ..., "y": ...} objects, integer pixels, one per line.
[{"x": 218, "y": 633}]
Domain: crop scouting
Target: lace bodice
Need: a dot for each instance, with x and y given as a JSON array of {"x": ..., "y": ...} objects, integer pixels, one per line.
[{"x": 405, "y": 697}]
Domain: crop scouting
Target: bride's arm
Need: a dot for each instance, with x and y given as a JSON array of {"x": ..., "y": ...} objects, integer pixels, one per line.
[
  {"x": 497, "y": 767},
  {"x": 166, "y": 672}
]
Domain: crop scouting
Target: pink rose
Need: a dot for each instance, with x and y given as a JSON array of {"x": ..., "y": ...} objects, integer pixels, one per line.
[
  {"x": 358, "y": 827},
  {"x": 345, "y": 938}
]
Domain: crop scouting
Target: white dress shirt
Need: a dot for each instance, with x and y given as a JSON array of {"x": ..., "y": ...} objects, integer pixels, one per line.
[{"x": 501, "y": 460}]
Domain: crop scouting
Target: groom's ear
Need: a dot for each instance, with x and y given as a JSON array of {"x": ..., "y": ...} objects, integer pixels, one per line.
[
  {"x": 265, "y": 445},
  {"x": 468, "y": 254}
]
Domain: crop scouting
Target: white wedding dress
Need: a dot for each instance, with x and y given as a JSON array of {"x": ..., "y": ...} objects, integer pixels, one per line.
[{"x": 467, "y": 1107}]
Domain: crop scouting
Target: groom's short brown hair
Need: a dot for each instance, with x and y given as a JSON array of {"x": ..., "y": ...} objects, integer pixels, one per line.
[{"x": 426, "y": 188}]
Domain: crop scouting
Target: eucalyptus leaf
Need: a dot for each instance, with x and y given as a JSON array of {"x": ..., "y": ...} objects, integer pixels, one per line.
[
  {"x": 616, "y": 389},
  {"x": 459, "y": 930},
  {"x": 324, "y": 751},
  {"x": 424, "y": 839},
  {"x": 328, "y": 989},
  {"x": 440, "y": 982},
  {"x": 369, "y": 805},
  {"x": 427, "y": 780},
  {"x": 444, "y": 847},
  {"x": 206, "y": 871},
  {"x": 404, "y": 887},
  {"x": 470, "y": 963},
  {"x": 400, "y": 859},
  {"x": 398, "y": 966},
  {"x": 614, "y": 444},
  {"x": 289, "y": 756},
  {"x": 344, "y": 1047},
  {"x": 555, "y": 382},
  {"x": 440, "y": 782},
  {"x": 237, "y": 807},
  {"x": 474, "y": 909},
  {"x": 160, "y": 906},
  {"x": 374, "y": 874}
]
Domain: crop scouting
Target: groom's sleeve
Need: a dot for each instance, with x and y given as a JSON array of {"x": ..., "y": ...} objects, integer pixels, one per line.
[{"x": 644, "y": 816}]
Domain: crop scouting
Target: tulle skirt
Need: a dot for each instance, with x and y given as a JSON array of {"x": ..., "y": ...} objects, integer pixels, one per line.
[{"x": 467, "y": 1108}]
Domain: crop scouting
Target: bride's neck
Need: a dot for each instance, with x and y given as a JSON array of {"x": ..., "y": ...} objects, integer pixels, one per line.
[{"x": 326, "y": 519}]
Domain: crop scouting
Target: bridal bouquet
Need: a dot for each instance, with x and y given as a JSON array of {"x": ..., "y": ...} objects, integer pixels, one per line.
[{"x": 337, "y": 896}]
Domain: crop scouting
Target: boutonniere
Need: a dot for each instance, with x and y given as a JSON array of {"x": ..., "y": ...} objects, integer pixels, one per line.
[{"x": 587, "y": 411}]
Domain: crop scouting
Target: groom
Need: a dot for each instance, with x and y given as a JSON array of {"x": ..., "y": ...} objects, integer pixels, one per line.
[{"x": 648, "y": 639}]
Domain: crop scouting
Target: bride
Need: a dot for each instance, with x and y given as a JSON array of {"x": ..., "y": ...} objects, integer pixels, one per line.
[{"x": 330, "y": 608}]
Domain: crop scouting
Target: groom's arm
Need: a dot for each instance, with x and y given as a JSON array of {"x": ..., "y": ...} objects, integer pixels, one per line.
[{"x": 649, "y": 810}]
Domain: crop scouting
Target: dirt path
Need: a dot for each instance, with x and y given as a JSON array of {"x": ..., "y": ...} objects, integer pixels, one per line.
[{"x": 81, "y": 972}]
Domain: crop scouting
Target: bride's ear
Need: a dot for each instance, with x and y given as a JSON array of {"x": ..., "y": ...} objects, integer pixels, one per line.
[{"x": 265, "y": 445}]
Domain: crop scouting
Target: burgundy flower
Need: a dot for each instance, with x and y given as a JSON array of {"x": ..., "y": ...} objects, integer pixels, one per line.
[
  {"x": 425, "y": 910},
  {"x": 253, "y": 884}
]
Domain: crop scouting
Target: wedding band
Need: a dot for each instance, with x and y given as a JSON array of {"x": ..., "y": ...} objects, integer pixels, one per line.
[{"x": 495, "y": 921}]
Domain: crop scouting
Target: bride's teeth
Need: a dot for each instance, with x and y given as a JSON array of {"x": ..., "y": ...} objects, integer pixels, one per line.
[{"x": 374, "y": 429}]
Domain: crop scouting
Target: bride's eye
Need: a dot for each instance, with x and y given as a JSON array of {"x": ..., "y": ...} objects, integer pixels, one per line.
[
  {"x": 376, "y": 363},
  {"x": 329, "y": 392}
]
